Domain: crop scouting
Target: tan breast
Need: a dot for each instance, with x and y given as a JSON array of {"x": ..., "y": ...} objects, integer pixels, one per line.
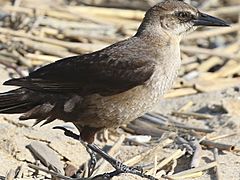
[
  {"x": 110, "y": 111},
  {"x": 127, "y": 106}
]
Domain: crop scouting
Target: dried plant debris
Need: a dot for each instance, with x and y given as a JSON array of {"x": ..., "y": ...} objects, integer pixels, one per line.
[{"x": 192, "y": 133}]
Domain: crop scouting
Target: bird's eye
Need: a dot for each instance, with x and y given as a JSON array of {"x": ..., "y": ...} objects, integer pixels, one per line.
[{"x": 183, "y": 15}]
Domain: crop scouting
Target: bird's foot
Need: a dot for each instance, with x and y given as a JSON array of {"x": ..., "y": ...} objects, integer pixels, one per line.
[
  {"x": 131, "y": 170},
  {"x": 119, "y": 166},
  {"x": 92, "y": 162},
  {"x": 93, "y": 158}
]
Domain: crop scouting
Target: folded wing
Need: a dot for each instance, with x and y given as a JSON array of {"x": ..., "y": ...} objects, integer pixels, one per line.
[{"x": 98, "y": 72}]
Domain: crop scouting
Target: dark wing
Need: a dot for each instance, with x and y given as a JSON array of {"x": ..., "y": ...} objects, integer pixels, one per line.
[{"x": 87, "y": 74}]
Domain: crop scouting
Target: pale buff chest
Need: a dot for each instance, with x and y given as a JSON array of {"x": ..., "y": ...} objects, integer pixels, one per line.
[{"x": 127, "y": 106}]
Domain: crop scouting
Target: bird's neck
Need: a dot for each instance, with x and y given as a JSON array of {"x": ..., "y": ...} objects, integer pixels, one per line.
[
  {"x": 163, "y": 46},
  {"x": 155, "y": 34}
]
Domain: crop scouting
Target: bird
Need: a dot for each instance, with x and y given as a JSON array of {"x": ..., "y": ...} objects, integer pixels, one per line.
[{"x": 112, "y": 86}]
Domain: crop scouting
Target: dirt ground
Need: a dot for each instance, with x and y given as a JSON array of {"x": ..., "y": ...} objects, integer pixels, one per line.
[
  {"x": 203, "y": 104},
  {"x": 16, "y": 136}
]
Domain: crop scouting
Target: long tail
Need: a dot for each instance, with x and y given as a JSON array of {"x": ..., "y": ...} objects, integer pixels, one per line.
[
  {"x": 17, "y": 101},
  {"x": 33, "y": 105},
  {"x": 42, "y": 106}
]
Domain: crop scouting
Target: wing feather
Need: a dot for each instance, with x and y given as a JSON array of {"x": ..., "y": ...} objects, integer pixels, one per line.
[{"x": 99, "y": 72}]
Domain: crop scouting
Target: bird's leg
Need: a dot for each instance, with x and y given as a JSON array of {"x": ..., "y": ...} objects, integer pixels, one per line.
[
  {"x": 119, "y": 166},
  {"x": 93, "y": 159},
  {"x": 87, "y": 134}
]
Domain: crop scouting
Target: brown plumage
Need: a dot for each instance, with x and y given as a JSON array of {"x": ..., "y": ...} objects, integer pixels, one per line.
[{"x": 112, "y": 86}]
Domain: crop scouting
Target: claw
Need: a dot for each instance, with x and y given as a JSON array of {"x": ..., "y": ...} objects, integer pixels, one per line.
[
  {"x": 92, "y": 163},
  {"x": 120, "y": 167}
]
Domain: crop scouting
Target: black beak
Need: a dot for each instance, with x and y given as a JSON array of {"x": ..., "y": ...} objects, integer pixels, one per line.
[{"x": 207, "y": 20}]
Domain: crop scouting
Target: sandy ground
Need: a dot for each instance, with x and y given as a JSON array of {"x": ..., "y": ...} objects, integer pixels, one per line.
[
  {"x": 57, "y": 151},
  {"x": 15, "y": 136}
]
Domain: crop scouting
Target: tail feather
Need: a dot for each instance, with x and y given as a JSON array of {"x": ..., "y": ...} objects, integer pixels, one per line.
[
  {"x": 16, "y": 101},
  {"x": 33, "y": 105},
  {"x": 11, "y": 109},
  {"x": 10, "y": 100},
  {"x": 16, "y": 82}
]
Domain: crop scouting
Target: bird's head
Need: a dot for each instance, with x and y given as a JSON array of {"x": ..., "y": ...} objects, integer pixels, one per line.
[{"x": 177, "y": 18}]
